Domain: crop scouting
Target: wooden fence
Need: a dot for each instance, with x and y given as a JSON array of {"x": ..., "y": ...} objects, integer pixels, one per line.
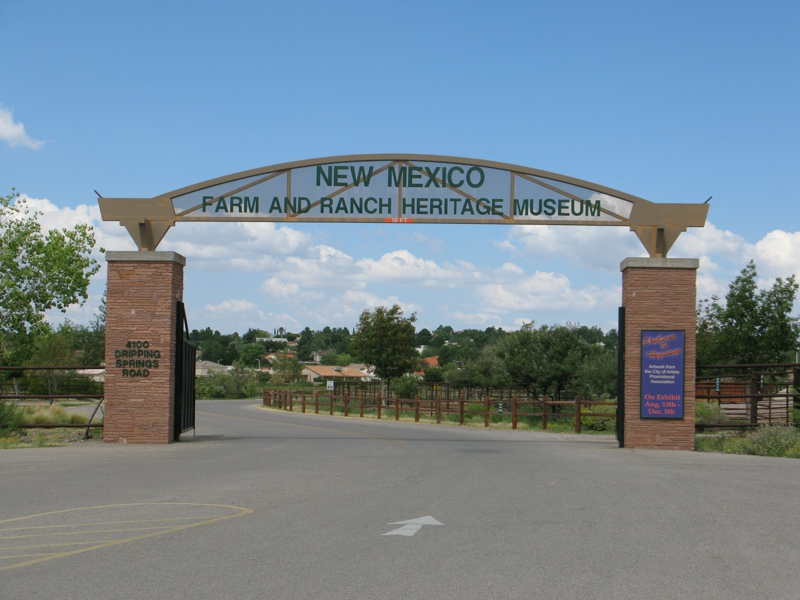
[{"x": 392, "y": 407}]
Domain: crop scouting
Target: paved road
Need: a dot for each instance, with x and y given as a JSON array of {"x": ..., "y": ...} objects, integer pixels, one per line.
[{"x": 265, "y": 504}]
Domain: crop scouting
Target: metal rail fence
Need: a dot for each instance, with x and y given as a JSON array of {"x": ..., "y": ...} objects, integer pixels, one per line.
[
  {"x": 743, "y": 396},
  {"x": 51, "y": 384}
]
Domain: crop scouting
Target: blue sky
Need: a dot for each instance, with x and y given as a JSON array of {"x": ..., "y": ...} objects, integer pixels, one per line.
[{"x": 672, "y": 102}]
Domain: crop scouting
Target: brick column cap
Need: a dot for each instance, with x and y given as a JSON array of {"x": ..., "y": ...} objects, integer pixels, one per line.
[
  {"x": 657, "y": 263},
  {"x": 145, "y": 256}
]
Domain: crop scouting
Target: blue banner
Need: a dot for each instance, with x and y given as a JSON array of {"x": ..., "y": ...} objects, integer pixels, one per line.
[{"x": 663, "y": 362}]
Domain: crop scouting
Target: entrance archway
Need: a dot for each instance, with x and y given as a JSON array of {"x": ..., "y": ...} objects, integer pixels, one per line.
[{"x": 658, "y": 294}]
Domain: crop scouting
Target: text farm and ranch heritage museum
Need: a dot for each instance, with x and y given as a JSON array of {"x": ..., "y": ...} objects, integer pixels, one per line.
[
  {"x": 385, "y": 201},
  {"x": 148, "y": 374}
]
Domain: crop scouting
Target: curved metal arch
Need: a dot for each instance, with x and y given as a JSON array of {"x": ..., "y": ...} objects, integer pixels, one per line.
[
  {"x": 345, "y": 158},
  {"x": 657, "y": 225}
]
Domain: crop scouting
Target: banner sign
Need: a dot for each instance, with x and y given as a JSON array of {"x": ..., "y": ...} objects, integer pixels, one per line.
[
  {"x": 400, "y": 191},
  {"x": 663, "y": 363},
  {"x": 402, "y": 188}
]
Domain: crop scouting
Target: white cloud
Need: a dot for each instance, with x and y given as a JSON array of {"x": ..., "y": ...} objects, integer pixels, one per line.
[
  {"x": 298, "y": 281},
  {"x": 401, "y": 265},
  {"x": 479, "y": 319},
  {"x": 777, "y": 254},
  {"x": 546, "y": 292},
  {"x": 703, "y": 241},
  {"x": 233, "y": 306},
  {"x": 14, "y": 133},
  {"x": 279, "y": 289},
  {"x": 588, "y": 247}
]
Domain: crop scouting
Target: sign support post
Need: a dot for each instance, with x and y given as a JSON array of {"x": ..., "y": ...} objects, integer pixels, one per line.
[
  {"x": 144, "y": 289},
  {"x": 659, "y": 297}
]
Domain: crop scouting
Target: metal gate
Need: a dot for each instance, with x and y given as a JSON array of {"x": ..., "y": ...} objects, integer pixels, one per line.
[
  {"x": 621, "y": 379},
  {"x": 185, "y": 356}
]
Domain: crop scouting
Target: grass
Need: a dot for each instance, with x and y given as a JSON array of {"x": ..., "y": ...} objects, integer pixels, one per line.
[
  {"x": 39, "y": 415},
  {"x": 776, "y": 440},
  {"x": 43, "y": 438},
  {"x": 47, "y": 438}
]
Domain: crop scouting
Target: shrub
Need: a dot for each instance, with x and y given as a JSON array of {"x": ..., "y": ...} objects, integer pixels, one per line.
[
  {"x": 608, "y": 424},
  {"x": 237, "y": 383},
  {"x": 407, "y": 386},
  {"x": 707, "y": 413},
  {"x": 10, "y": 418},
  {"x": 765, "y": 441},
  {"x": 39, "y": 415}
]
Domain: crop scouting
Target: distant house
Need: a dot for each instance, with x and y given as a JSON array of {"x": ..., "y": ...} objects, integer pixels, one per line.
[
  {"x": 206, "y": 367},
  {"x": 273, "y": 356},
  {"x": 317, "y": 355},
  {"x": 272, "y": 339},
  {"x": 433, "y": 361},
  {"x": 94, "y": 374},
  {"x": 312, "y": 372}
]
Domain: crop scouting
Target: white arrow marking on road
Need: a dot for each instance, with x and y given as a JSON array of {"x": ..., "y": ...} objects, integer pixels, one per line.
[{"x": 412, "y": 526}]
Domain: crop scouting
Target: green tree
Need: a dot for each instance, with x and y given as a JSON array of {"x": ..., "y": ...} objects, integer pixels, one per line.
[
  {"x": 385, "y": 339},
  {"x": 53, "y": 350},
  {"x": 432, "y": 373},
  {"x": 39, "y": 271},
  {"x": 423, "y": 337},
  {"x": 252, "y": 334},
  {"x": 547, "y": 358},
  {"x": 287, "y": 369},
  {"x": 753, "y": 326},
  {"x": 340, "y": 360},
  {"x": 407, "y": 386},
  {"x": 304, "y": 344},
  {"x": 251, "y": 355}
]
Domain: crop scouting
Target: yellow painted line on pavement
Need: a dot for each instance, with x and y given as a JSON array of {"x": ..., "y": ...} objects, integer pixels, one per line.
[
  {"x": 328, "y": 429},
  {"x": 99, "y": 523},
  {"x": 109, "y": 543},
  {"x": 55, "y": 533}
]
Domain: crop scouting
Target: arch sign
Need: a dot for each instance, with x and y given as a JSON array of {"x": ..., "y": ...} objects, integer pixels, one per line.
[{"x": 403, "y": 188}]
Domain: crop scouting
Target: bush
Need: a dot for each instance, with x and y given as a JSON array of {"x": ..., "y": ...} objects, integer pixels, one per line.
[
  {"x": 10, "y": 418},
  {"x": 707, "y": 413},
  {"x": 41, "y": 415},
  {"x": 235, "y": 384},
  {"x": 607, "y": 424},
  {"x": 765, "y": 441},
  {"x": 407, "y": 386}
]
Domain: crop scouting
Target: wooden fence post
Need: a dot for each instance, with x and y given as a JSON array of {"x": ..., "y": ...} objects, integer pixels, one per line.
[
  {"x": 513, "y": 412},
  {"x": 416, "y": 408},
  {"x": 346, "y": 402},
  {"x": 544, "y": 412},
  {"x": 304, "y": 402},
  {"x": 379, "y": 403},
  {"x": 577, "y": 414},
  {"x": 397, "y": 407},
  {"x": 291, "y": 400},
  {"x": 438, "y": 409},
  {"x": 316, "y": 402},
  {"x": 461, "y": 408},
  {"x": 486, "y": 409},
  {"x": 331, "y": 398},
  {"x": 361, "y": 404}
]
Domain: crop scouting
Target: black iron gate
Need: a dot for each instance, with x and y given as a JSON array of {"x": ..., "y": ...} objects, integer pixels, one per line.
[
  {"x": 185, "y": 356},
  {"x": 621, "y": 379}
]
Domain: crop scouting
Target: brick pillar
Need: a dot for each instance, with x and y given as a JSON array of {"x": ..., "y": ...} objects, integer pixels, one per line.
[
  {"x": 658, "y": 294},
  {"x": 141, "y": 313}
]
